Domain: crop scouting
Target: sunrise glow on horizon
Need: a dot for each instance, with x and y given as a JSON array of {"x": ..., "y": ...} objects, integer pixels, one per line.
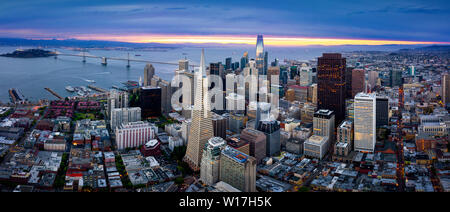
[{"x": 246, "y": 39}]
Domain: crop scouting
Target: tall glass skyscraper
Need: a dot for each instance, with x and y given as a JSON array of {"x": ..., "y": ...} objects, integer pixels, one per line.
[
  {"x": 260, "y": 57},
  {"x": 331, "y": 84}
]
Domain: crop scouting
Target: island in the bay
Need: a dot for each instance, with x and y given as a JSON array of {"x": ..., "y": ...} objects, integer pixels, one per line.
[{"x": 29, "y": 53}]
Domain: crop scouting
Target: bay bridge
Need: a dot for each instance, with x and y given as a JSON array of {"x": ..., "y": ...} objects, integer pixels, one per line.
[{"x": 104, "y": 60}]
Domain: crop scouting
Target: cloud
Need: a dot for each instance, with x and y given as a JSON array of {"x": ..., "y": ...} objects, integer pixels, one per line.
[{"x": 402, "y": 19}]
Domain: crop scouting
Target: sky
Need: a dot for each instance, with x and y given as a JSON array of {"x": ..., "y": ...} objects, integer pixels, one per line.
[{"x": 282, "y": 22}]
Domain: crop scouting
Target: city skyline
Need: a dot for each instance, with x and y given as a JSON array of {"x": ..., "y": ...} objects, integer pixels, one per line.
[{"x": 288, "y": 23}]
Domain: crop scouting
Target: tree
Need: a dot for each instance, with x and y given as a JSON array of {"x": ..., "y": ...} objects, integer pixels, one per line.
[
  {"x": 303, "y": 189},
  {"x": 179, "y": 180}
]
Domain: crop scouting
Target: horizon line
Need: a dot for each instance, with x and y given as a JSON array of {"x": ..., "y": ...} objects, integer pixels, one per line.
[{"x": 269, "y": 40}]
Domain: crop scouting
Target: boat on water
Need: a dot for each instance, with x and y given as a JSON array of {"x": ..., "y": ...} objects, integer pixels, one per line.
[
  {"x": 70, "y": 88},
  {"x": 90, "y": 81}
]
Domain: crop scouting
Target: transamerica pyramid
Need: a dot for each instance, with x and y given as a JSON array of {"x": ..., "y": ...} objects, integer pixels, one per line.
[{"x": 201, "y": 126}]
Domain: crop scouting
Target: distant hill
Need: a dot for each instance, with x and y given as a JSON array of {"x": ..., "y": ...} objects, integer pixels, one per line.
[{"x": 433, "y": 48}]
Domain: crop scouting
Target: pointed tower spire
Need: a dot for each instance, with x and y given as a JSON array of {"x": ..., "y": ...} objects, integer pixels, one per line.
[{"x": 202, "y": 64}]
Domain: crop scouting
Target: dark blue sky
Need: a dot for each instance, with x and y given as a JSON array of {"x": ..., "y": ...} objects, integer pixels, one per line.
[{"x": 411, "y": 20}]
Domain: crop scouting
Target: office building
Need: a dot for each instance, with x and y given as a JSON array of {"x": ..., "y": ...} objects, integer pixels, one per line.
[
  {"x": 358, "y": 82},
  {"x": 300, "y": 93},
  {"x": 316, "y": 146},
  {"x": 228, "y": 63},
  {"x": 323, "y": 124},
  {"x": 235, "y": 103},
  {"x": 210, "y": 165},
  {"x": 116, "y": 99},
  {"x": 307, "y": 113},
  {"x": 260, "y": 56},
  {"x": 238, "y": 169},
  {"x": 150, "y": 102},
  {"x": 395, "y": 77},
  {"x": 236, "y": 122},
  {"x": 271, "y": 128},
  {"x": 445, "y": 86},
  {"x": 244, "y": 60},
  {"x": 220, "y": 125},
  {"x": 149, "y": 72},
  {"x": 257, "y": 141},
  {"x": 183, "y": 65},
  {"x": 331, "y": 90},
  {"x": 305, "y": 75},
  {"x": 124, "y": 115},
  {"x": 134, "y": 134},
  {"x": 151, "y": 148},
  {"x": 382, "y": 111},
  {"x": 365, "y": 122},
  {"x": 344, "y": 143},
  {"x": 373, "y": 78},
  {"x": 201, "y": 129},
  {"x": 312, "y": 94},
  {"x": 235, "y": 142}
]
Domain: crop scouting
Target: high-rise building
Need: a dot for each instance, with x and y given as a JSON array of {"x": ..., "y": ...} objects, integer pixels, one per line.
[
  {"x": 445, "y": 86},
  {"x": 260, "y": 62},
  {"x": 300, "y": 93},
  {"x": 216, "y": 69},
  {"x": 134, "y": 134},
  {"x": 312, "y": 94},
  {"x": 331, "y": 84},
  {"x": 373, "y": 78},
  {"x": 266, "y": 61},
  {"x": 238, "y": 169},
  {"x": 365, "y": 122},
  {"x": 201, "y": 129},
  {"x": 235, "y": 103},
  {"x": 244, "y": 60},
  {"x": 220, "y": 125},
  {"x": 271, "y": 128},
  {"x": 150, "y": 101},
  {"x": 236, "y": 122},
  {"x": 307, "y": 113},
  {"x": 210, "y": 165},
  {"x": 305, "y": 75},
  {"x": 323, "y": 124},
  {"x": 412, "y": 70},
  {"x": 124, "y": 115},
  {"x": 344, "y": 143},
  {"x": 395, "y": 77},
  {"x": 228, "y": 63},
  {"x": 149, "y": 72},
  {"x": 348, "y": 82},
  {"x": 166, "y": 93},
  {"x": 272, "y": 71},
  {"x": 382, "y": 111},
  {"x": 358, "y": 82},
  {"x": 116, "y": 99},
  {"x": 257, "y": 141},
  {"x": 183, "y": 65}
]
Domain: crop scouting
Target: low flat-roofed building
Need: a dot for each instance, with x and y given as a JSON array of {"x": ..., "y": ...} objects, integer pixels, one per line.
[{"x": 316, "y": 146}]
